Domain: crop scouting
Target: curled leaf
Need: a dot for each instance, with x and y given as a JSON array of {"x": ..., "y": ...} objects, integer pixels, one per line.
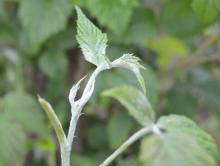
[
  {"x": 131, "y": 62},
  {"x": 73, "y": 91},
  {"x": 53, "y": 119}
]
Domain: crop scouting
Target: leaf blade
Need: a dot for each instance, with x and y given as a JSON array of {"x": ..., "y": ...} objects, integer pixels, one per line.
[
  {"x": 91, "y": 40},
  {"x": 135, "y": 101},
  {"x": 105, "y": 10},
  {"x": 172, "y": 147},
  {"x": 131, "y": 63},
  {"x": 176, "y": 123},
  {"x": 173, "y": 150},
  {"x": 53, "y": 119}
]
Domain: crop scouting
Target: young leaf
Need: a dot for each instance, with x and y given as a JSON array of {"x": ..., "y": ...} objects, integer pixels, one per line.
[
  {"x": 91, "y": 40},
  {"x": 131, "y": 62},
  {"x": 105, "y": 81},
  {"x": 135, "y": 101},
  {"x": 73, "y": 91},
  {"x": 53, "y": 119},
  {"x": 182, "y": 143},
  {"x": 115, "y": 14}
]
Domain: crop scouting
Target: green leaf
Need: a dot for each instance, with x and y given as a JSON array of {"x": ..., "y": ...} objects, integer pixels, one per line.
[
  {"x": 53, "y": 62},
  {"x": 173, "y": 150},
  {"x": 207, "y": 10},
  {"x": 114, "y": 14},
  {"x": 135, "y": 101},
  {"x": 91, "y": 40},
  {"x": 176, "y": 123},
  {"x": 12, "y": 141},
  {"x": 105, "y": 81},
  {"x": 131, "y": 63},
  {"x": 42, "y": 19},
  {"x": 119, "y": 121},
  {"x": 172, "y": 147},
  {"x": 22, "y": 108},
  {"x": 53, "y": 119}
]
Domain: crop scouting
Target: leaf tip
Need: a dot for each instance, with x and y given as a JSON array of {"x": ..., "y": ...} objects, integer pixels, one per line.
[
  {"x": 44, "y": 104},
  {"x": 77, "y": 8},
  {"x": 78, "y": 12},
  {"x": 39, "y": 98}
]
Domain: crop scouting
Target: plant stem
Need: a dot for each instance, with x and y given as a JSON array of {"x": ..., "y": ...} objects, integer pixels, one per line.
[
  {"x": 126, "y": 144},
  {"x": 76, "y": 111},
  {"x": 65, "y": 154},
  {"x": 73, "y": 122}
]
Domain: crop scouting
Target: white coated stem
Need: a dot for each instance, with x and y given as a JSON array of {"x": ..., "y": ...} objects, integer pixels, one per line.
[
  {"x": 87, "y": 93},
  {"x": 73, "y": 122},
  {"x": 126, "y": 144},
  {"x": 65, "y": 154},
  {"x": 76, "y": 111}
]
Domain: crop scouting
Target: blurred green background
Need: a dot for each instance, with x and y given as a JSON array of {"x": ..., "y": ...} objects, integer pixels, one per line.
[{"x": 178, "y": 41}]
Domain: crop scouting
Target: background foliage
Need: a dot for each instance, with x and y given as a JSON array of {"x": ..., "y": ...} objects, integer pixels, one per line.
[{"x": 178, "y": 42}]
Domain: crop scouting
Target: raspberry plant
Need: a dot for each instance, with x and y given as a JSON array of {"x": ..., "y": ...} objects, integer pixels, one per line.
[{"x": 171, "y": 140}]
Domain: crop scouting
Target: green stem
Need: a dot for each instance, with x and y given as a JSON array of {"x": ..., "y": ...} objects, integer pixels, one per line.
[{"x": 126, "y": 144}]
